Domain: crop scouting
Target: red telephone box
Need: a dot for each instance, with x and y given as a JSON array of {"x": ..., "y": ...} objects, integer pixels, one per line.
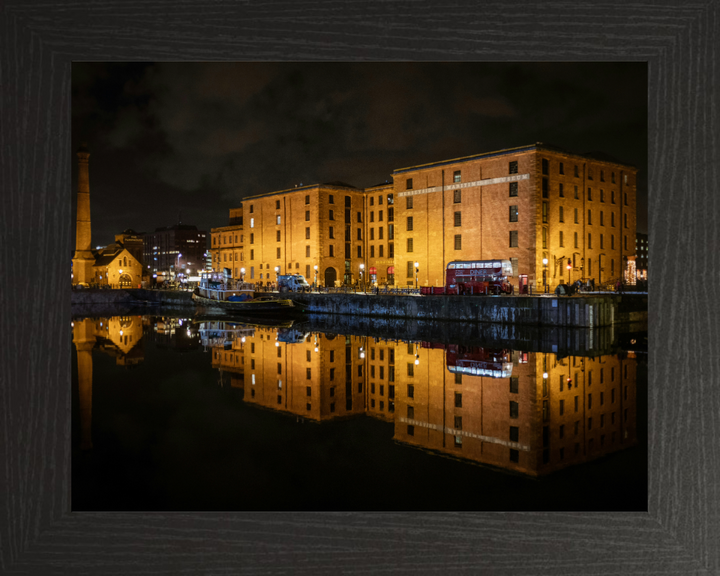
[{"x": 523, "y": 284}]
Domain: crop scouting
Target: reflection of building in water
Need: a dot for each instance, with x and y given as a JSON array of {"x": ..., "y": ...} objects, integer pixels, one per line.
[
  {"x": 528, "y": 412},
  {"x": 119, "y": 336},
  {"x": 546, "y": 415},
  {"x": 321, "y": 377}
]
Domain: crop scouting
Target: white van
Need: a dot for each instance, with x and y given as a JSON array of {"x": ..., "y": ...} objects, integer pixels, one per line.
[{"x": 293, "y": 282}]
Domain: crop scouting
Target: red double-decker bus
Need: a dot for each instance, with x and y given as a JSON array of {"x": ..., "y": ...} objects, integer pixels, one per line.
[{"x": 479, "y": 277}]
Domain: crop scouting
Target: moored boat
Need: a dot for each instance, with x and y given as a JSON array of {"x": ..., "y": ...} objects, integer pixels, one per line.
[{"x": 218, "y": 291}]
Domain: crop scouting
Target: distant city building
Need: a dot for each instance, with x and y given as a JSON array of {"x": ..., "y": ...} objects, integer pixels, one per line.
[
  {"x": 178, "y": 249},
  {"x": 557, "y": 216},
  {"x": 641, "y": 248}
]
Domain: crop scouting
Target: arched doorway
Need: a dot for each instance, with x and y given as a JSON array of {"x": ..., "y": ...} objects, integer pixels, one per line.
[
  {"x": 125, "y": 281},
  {"x": 330, "y": 277},
  {"x": 391, "y": 275}
]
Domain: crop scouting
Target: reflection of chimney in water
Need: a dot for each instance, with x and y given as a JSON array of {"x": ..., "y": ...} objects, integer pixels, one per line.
[{"x": 84, "y": 340}]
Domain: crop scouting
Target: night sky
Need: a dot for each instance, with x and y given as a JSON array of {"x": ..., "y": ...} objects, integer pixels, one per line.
[{"x": 185, "y": 142}]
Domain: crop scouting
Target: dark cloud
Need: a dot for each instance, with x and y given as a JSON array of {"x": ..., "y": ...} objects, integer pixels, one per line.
[{"x": 199, "y": 137}]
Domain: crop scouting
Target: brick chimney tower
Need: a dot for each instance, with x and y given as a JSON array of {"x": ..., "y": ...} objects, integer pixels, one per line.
[{"x": 83, "y": 260}]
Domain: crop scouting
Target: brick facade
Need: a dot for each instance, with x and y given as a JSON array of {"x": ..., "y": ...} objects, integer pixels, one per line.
[
  {"x": 524, "y": 204},
  {"x": 472, "y": 208}
]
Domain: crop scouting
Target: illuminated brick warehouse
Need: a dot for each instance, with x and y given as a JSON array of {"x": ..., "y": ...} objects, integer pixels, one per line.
[{"x": 557, "y": 216}]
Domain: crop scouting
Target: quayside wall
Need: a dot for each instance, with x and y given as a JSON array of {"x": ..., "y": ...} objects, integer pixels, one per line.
[{"x": 576, "y": 311}]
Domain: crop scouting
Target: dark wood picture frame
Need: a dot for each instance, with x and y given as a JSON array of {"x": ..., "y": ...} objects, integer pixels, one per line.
[{"x": 680, "y": 532}]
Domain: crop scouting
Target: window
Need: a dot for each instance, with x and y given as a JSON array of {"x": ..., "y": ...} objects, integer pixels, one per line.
[
  {"x": 458, "y": 400},
  {"x": 380, "y": 215},
  {"x": 514, "y": 433},
  {"x": 252, "y": 222},
  {"x": 411, "y": 391},
  {"x": 458, "y": 242},
  {"x": 307, "y": 251},
  {"x": 514, "y": 455},
  {"x": 589, "y": 401},
  {"x": 561, "y": 169},
  {"x": 380, "y": 250},
  {"x": 332, "y": 251},
  {"x": 408, "y": 202},
  {"x": 359, "y": 217},
  {"x": 602, "y": 195},
  {"x": 251, "y": 208},
  {"x": 602, "y": 176},
  {"x": 589, "y": 243},
  {"x": 409, "y": 223},
  {"x": 410, "y": 269},
  {"x": 331, "y": 233},
  {"x": 612, "y": 196},
  {"x": 612, "y": 242},
  {"x": 380, "y": 233},
  {"x": 576, "y": 193},
  {"x": 278, "y": 253},
  {"x": 331, "y": 199},
  {"x": 513, "y": 238},
  {"x": 411, "y": 369},
  {"x": 577, "y": 407},
  {"x": 372, "y": 216},
  {"x": 544, "y": 237},
  {"x": 589, "y": 193},
  {"x": 252, "y": 255},
  {"x": 513, "y": 213},
  {"x": 514, "y": 262},
  {"x": 277, "y": 220},
  {"x": 411, "y": 430},
  {"x": 544, "y": 212},
  {"x": 590, "y": 174},
  {"x": 601, "y": 242},
  {"x": 562, "y": 245},
  {"x": 458, "y": 423},
  {"x": 626, "y": 203},
  {"x": 625, "y": 215},
  {"x": 348, "y": 202},
  {"x": 307, "y": 215},
  {"x": 514, "y": 409},
  {"x": 513, "y": 167},
  {"x": 307, "y": 270},
  {"x": 372, "y": 233},
  {"x": 576, "y": 239},
  {"x": 576, "y": 216},
  {"x": 410, "y": 245},
  {"x": 411, "y": 412},
  {"x": 602, "y": 219},
  {"x": 513, "y": 188},
  {"x": 458, "y": 378},
  {"x": 456, "y": 176},
  {"x": 457, "y": 196},
  {"x": 458, "y": 219},
  {"x": 625, "y": 242},
  {"x": 545, "y": 188},
  {"x": 331, "y": 215},
  {"x": 561, "y": 191},
  {"x": 359, "y": 251},
  {"x": 562, "y": 407},
  {"x": 545, "y": 166},
  {"x": 408, "y": 184}
]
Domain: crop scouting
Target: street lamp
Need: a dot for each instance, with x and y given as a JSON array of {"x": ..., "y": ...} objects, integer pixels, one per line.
[
  {"x": 417, "y": 269},
  {"x": 242, "y": 275},
  {"x": 545, "y": 263},
  {"x": 316, "y": 269},
  {"x": 362, "y": 278}
]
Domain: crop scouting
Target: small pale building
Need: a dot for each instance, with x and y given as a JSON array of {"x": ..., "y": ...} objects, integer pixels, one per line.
[{"x": 116, "y": 267}]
